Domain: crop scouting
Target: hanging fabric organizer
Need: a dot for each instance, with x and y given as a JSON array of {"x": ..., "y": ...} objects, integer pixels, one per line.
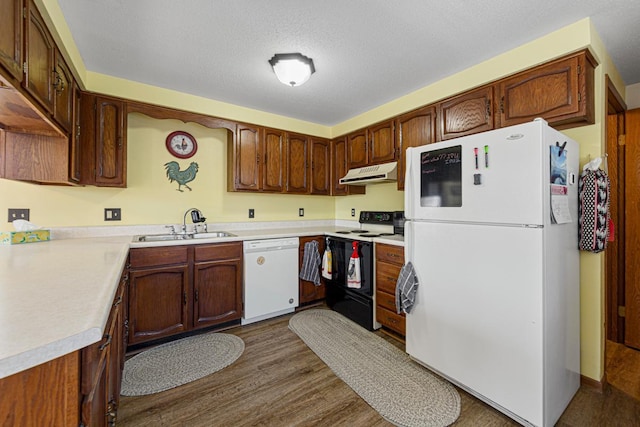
[{"x": 594, "y": 192}]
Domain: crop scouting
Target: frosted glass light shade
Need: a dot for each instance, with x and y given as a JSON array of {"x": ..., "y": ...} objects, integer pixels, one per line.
[{"x": 292, "y": 69}]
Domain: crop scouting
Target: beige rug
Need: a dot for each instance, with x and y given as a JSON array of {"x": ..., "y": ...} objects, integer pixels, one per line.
[
  {"x": 179, "y": 362},
  {"x": 402, "y": 391}
]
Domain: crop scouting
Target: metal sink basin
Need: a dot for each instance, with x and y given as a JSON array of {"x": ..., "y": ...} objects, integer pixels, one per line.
[
  {"x": 171, "y": 237},
  {"x": 211, "y": 235}
]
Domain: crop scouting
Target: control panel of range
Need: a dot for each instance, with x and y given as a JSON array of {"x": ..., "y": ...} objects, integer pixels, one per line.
[{"x": 375, "y": 217}]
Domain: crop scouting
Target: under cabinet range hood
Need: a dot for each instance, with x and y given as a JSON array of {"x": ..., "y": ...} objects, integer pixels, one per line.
[{"x": 386, "y": 172}]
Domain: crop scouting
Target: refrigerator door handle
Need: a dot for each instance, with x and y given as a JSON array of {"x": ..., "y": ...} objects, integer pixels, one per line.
[
  {"x": 409, "y": 190},
  {"x": 408, "y": 241}
]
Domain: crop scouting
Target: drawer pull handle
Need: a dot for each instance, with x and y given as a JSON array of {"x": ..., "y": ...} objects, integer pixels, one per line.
[{"x": 106, "y": 344}]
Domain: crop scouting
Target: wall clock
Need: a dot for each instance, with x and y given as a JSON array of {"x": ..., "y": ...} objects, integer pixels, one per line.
[{"x": 181, "y": 144}]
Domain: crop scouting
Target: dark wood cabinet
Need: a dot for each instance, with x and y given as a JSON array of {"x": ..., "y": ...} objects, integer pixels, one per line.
[
  {"x": 320, "y": 166},
  {"x": 309, "y": 292},
  {"x": 466, "y": 114},
  {"x": 357, "y": 149},
  {"x": 217, "y": 284},
  {"x": 389, "y": 261},
  {"x": 63, "y": 93},
  {"x": 11, "y": 37},
  {"x": 160, "y": 292},
  {"x": 339, "y": 168},
  {"x": 274, "y": 160},
  {"x": 244, "y": 159},
  {"x": 382, "y": 143},
  {"x": 176, "y": 289},
  {"x": 561, "y": 92},
  {"x": 413, "y": 129},
  {"x": 297, "y": 158},
  {"x": 103, "y": 136},
  {"x": 102, "y": 365},
  {"x": 39, "y": 54}
]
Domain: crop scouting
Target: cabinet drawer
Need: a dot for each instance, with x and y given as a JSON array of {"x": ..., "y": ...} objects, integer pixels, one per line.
[
  {"x": 163, "y": 255},
  {"x": 390, "y": 253},
  {"x": 218, "y": 251},
  {"x": 386, "y": 300},
  {"x": 391, "y": 320},
  {"x": 386, "y": 277}
]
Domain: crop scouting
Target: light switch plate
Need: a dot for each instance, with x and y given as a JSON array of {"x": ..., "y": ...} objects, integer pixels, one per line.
[
  {"x": 112, "y": 214},
  {"x": 18, "y": 214}
]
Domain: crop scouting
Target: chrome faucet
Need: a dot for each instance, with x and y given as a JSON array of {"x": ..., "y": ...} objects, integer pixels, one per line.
[{"x": 196, "y": 217}]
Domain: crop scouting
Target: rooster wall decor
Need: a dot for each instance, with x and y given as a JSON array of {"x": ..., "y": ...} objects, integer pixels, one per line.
[{"x": 181, "y": 177}]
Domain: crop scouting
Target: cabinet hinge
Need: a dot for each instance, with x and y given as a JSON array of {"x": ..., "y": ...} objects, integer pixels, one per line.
[
  {"x": 621, "y": 311},
  {"x": 579, "y": 69},
  {"x": 502, "y": 105},
  {"x": 25, "y": 67},
  {"x": 579, "y": 97},
  {"x": 24, "y": 13},
  {"x": 622, "y": 139}
]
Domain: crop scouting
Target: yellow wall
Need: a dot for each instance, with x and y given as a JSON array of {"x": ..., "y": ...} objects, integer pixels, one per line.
[{"x": 150, "y": 198}]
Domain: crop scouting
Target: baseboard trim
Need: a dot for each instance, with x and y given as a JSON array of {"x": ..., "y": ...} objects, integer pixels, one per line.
[{"x": 599, "y": 386}]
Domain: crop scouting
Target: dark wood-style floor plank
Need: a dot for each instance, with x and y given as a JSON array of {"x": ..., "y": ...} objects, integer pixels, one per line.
[{"x": 278, "y": 381}]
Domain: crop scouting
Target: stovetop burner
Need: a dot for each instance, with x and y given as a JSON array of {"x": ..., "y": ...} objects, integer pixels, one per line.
[
  {"x": 359, "y": 231},
  {"x": 343, "y": 232}
]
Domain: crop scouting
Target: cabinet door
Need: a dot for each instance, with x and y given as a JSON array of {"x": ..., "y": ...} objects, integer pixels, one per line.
[
  {"x": 217, "y": 292},
  {"x": 75, "y": 145},
  {"x": 413, "y": 130},
  {"x": 297, "y": 164},
  {"x": 64, "y": 91},
  {"x": 247, "y": 151},
  {"x": 339, "y": 168},
  {"x": 159, "y": 301},
  {"x": 382, "y": 146},
  {"x": 309, "y": 292},
  {"x": 466, "y": 114},
  {"x": 273, "y": 171},
  {"x": 94, "y": 408},
  {"x": 111, "y": 151},
  {"x": 39, "y": 52},
  {"x": 556, "y": 92},
  {"x": 320, "y": 166},
  {"x": 11, "y": 37},
  {"x": 357, "y": 149}
]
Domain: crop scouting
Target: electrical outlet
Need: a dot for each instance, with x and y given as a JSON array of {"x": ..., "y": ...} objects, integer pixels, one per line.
[
  {"x": 252, "y": 213},
  {"x": 112, "y": 214},
  {"x": 18, "y": 214},
  {"x": 353, "y": 212},
  {"x": 301, "y": 212}
]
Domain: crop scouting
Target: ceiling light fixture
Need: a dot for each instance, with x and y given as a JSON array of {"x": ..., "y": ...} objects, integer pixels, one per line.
[{"x": 292, "y": 69}]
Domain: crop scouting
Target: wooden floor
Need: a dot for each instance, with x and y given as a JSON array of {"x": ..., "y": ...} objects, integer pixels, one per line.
[{"x": 278, "y": 381}]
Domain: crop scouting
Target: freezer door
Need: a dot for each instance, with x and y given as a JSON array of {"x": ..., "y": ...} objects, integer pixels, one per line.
[
  {"x": 477, "y": 317},
  {"x": 499, "y": 177}
]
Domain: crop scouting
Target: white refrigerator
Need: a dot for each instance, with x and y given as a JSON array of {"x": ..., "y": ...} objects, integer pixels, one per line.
[{"x": 491, "y": 231}]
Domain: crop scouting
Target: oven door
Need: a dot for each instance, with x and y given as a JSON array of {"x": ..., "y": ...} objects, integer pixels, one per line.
[
  {"x": 341, "y": 250},
  {"x": 350, "y": 304}
]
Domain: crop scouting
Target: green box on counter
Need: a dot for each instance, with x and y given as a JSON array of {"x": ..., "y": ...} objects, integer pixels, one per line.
[{"x": 18, "y": 237}]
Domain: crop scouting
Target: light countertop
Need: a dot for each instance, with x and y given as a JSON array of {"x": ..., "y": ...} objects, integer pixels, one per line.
[{"x": 55, "y": 296}]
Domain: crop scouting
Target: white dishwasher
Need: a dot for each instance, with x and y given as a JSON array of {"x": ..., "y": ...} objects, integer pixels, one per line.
[{"x": 270, "y": 278}]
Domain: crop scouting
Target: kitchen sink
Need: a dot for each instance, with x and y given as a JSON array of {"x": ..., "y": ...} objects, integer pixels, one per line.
[{"x": 170, "y": 237}]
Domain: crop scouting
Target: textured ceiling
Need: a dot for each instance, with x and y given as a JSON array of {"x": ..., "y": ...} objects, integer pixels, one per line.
[{"x": 366, "y": 52}]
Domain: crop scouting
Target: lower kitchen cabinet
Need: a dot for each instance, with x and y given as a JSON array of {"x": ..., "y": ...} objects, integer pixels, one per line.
[
  {"x": 309, "y": 292},
  {"x": 389, "y": 261},
  {"x": 177, "y": 289},
  {"x": 102, "y": 365}
]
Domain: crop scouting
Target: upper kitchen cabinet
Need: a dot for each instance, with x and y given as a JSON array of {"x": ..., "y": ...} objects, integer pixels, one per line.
[
  {"x": 297, "y": 163},
  {"x": 273, "y": 164},
  {"x": 357, "y": 149},
  {"x": 11, "y": 37},
  {"x": 320, "y": 166},
  {"x": 561, "y": 92},
  {"x": 40, "y": 55},
  {"x": 466, "y": 114},
  {"x": 64, "y": 93},
  {"x": 103, "y": 140},
  {"x": 256, "y": 159},
  {"x": 243, "y": 162},
  {"x": 381, "y": 141},
  {"x": 413, "y": 129},
  {"x": 339, "y": 168}
]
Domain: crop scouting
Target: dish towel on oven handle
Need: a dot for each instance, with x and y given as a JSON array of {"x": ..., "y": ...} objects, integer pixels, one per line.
[
  {"x": 327, "y": 260},
  {"x": 310, "y": 270},
  {"x": 354, "y": 279},
  {"x": 406, "y": 287}
]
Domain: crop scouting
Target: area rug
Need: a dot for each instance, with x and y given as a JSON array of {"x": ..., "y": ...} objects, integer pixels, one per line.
[
  {"x": 179, "y": 362},
  {"x": 399, "y": 389}
]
